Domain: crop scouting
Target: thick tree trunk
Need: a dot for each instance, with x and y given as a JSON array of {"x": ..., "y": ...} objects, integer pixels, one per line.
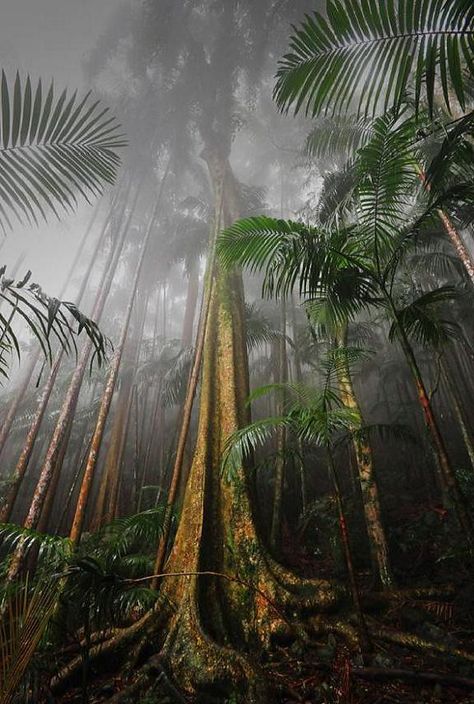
[
  {"x": 217, "y": 531},
  {"x": 368, "y": 483}
]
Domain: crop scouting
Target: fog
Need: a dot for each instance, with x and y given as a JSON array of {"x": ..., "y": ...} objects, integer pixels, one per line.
[{"x": 247, "y": 365}]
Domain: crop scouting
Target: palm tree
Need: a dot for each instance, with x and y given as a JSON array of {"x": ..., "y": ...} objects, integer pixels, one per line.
[
  {"x": 343, "y": 271},
  {"x": 368, "y": 58}
]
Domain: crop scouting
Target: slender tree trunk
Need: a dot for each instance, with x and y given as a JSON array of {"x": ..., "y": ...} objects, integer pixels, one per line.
[
  {"x": 458, "y": 411},
  {"x": 458, "y": 244},
  {"x": 282, "y": 371},
  {"x": 78, "y": 521},
  {"x": 7, "y": 424},
  {"x": 447, "y": 472},
  {"x": 79, "y": 462},
  {"x": 454, "y": 236},
  {"x": 366, "y": 472},
  {"x": 16, "y": 401},
  {"x": 187, "y": 336},
  {"x": 69, "y": 405},
  {"x": 27, "y": 450},
  {"x": 44, "y": 519},
  {"x": 346, "y": 546},
  {"x": 113, "y": 465}
]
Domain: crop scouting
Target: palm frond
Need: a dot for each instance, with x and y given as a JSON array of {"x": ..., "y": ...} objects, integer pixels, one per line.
[
  {"x": 244, "y": 442},
  {"x": 336, "y": 197},
  {"x": 47, "y": 318},
  {"x": 52, "y": 147},
  {"x": 421, "y": 321},
  {"x": 122, "y": 533},
  {"x": 366, "y": 56},
  {"x": 338, "y": 138},
  {"x": 26, "y": 614},
  {"x": 259, "y": 330},
  {"x": 387, "y": 180},
  {"x": 52, "y": 549}
]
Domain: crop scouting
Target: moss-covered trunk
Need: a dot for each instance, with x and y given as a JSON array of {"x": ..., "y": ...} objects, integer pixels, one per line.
[{"x": 217, "y": 531}]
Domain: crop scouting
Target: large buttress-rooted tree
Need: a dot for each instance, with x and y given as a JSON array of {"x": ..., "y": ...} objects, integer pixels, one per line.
[{"x": 217, "y": 531}]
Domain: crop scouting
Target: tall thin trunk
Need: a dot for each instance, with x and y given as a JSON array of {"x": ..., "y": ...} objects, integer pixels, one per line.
[
  {"x": 458, "y": 244},
  {"x": 78, "y": 521},
  {"x": 458, "y": 411},
  {"x": 7, "y": 424},
  {"x": 187, "y": 336},
  {"x": 26, "y": 452},
  {"x": 447, "y": 472},
  {"x": 454, "y": 236},
  {"x": 46, "y": 512},
  {"x": 365, "y": 467},
  {"x": 16, "y": 401},
  {"x": 29, "y": 444},
  {"x": 69, "y": 404},
  {"x": 78, "y": 462},
  {"x": 346, "y": 546},
  {"x": 115, "y": 454},
  {"x": 282, "y": 377}
]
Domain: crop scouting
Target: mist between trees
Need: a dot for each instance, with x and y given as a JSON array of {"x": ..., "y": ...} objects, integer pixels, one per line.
[{"x": 237, "y": 449}]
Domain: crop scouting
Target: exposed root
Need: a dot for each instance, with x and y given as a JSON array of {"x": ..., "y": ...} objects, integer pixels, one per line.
[
  {"x": 200, "y": 665},
  {"x": 323, "y": 626},
  {"x": 410, "y": 640},
  {"x": 150, "y": 678},
  {"x": 113, "y": 647}
]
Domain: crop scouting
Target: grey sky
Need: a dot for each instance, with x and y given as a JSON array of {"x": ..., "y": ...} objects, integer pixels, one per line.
[{"x": 51, "y": 37}]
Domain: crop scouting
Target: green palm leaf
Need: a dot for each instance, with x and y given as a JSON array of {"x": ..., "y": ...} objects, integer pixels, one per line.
[
  {"x": 25, "y": 304},
  {"x": 52, "y": 148},
  {"x": 366, "y": 55},
  {"x": 421, "y": 321}
]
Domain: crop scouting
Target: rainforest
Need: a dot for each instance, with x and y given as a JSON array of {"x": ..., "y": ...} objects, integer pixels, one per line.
[{"x": 236, "y": 351}]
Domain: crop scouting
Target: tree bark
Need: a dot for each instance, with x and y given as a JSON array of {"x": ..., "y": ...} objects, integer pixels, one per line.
[
  {"x": 458, "y": 411},
  {"x": 279, "y": 483},
  {"x": 27, "y": 450},
  {"x": 366, "y": 472},
  {"x": 187, "y": 336},
  {"x": 447, "y": 472},
  {"x": 69, "y": 404},
  {"x": 96, "y": 443},
  {"x": 217, "y": 530}
]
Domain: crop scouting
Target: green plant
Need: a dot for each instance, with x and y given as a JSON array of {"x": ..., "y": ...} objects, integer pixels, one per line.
[{"x": 368, "y": 55}]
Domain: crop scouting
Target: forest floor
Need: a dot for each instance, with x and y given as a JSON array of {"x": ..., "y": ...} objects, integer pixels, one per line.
[
  {"x": 326, "y": 672},
  {"x": 434, "y": 604}
]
